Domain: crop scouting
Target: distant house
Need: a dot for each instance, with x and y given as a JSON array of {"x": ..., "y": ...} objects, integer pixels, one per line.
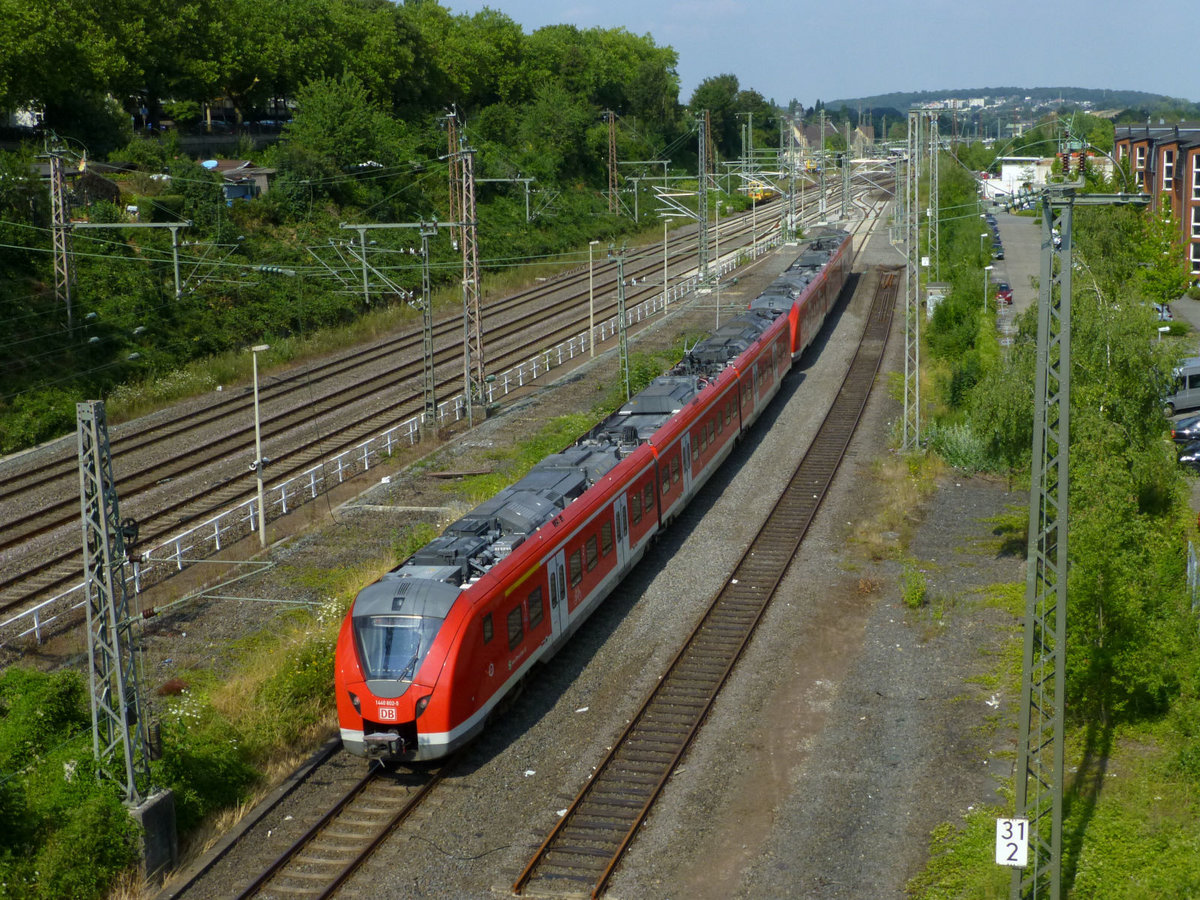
[
  {"x": 1165, "y": 163},
  {"x": 243, "y": 179}
]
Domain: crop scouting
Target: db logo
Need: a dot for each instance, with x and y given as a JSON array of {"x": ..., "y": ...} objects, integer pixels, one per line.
[{"x": 387, "y": 714}]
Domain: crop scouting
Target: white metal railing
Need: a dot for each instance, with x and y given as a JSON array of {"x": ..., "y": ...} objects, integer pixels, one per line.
[{"x": 237, "y": 522}]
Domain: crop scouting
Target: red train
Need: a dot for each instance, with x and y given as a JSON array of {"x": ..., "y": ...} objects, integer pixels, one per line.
[{"x": 427, "y": 652}]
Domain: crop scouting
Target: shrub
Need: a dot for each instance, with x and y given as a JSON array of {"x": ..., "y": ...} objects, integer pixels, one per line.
[
  {"x": 914, "y": 586},
  {"x": 958, "y": 445},
  {"x": 203, "y": 762}
]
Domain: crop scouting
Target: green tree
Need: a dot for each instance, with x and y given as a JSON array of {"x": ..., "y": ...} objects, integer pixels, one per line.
[
  {"x": 1165, "y": 275},
  {"x": 718, "y": 94}
]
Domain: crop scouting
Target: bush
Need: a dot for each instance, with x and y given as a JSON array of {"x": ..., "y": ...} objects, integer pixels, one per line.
[
  {"x": 66, "y": 832},
  {"x": 203, "y": 762},
  {"x": 915, "y": 586},
  {"x": 959, "y": 446},
  {"x": 35, "y": 416}
]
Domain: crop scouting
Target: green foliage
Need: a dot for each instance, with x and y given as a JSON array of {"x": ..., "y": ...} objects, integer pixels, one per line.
[
  {"x": 959, "y": 445},
  {"x": 204, "y": 762},
  {"x": 914, "y": 585},
  {"x": 302, "y": 686},
  {"x": 36, "y": 416},
  {"x": 962, "y": 861},
  {"x": 66, "y": 833}
]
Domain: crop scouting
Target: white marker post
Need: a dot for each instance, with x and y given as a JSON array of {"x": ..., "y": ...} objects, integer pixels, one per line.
[{"x": 1012, "y": 842}]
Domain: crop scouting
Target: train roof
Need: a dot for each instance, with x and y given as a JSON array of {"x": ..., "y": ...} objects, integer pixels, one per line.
[
  {"x": 712, "y": 354},
  {"x": 471, "y": 545}
]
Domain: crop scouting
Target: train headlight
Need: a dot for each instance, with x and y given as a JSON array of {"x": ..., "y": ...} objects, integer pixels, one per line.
[
  {"x": 357, "y": 703},
  {"x": 421, "y": 704}
]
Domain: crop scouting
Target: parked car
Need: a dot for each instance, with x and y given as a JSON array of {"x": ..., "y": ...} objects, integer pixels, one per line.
[
  {"x": 1186, "y": 430},
  {"x": 997, "y": 250},
  {"x": 1004, "y": 295},
  {"x": 1163, "y": 311},
  {"x": 1189, "y": 456},
  {"x": 1187, "y": 387}
]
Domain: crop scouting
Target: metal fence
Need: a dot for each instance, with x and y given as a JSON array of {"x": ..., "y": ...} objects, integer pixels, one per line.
[{"x": 231, "y": 525}]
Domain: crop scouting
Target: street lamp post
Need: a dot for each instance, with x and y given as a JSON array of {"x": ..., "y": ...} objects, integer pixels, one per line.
[
  {"x": 591, "y": 304},
  {"x": 986, "y": 269},
  {"x": 982, "y": 235},
  {"x": 258, "y": 457}
]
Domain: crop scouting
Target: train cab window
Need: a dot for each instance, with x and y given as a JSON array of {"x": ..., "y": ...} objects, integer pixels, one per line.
[
  {"x": 606, "y": 539},
  {"x": 635, "y": 506},
  {"x": 648, "y": 498},
  {"x": 393, "y": 646},
  {"x": 591, "y": 553},
  {"x": 516, "y": 628},
  {"x": 536, "y": 608},
  {"x": 575, "y": 567},
  {"x": 487, "y": 628}
]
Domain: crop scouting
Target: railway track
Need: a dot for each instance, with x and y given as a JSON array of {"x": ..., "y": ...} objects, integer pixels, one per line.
[
  {"x": 585, "y": 847},
  {"x": 329, "y": 852},
  {"x": 331, "y": 848},
  {"x": 39, "y": 548}
]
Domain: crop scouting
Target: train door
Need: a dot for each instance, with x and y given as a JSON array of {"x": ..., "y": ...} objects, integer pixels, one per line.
[
  {"x": 558, "y": 592},
  {"x": 621, "y": 519},
  {"x": 685, "y": 448}
]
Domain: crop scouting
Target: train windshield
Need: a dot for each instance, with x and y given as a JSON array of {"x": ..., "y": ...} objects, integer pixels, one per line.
[{"x": 394, "y": 646}]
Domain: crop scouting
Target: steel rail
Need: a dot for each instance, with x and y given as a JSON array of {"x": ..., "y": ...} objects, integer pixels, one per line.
[{"x": 592, "y": 836}]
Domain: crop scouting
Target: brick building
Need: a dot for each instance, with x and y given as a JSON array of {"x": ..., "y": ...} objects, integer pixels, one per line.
[{"x": 1165, "y": 162}]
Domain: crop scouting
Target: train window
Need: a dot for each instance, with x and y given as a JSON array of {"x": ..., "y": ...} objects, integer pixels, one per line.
[
  {"x": 648, "y": 497},
  {"x": 394, "y": 646},
  {"x": 516, "y": 628},
  {"x": 606, "y": 539},
  {"x": 675, "y": 470},
  {"x": 712, "y": 430},
  {"x": 575, "y": 567},
  {"x": 536, "y": 608},
  {"x": 591, "y": 553},
  {"x": 487, "y": 628},
  {"x": 666, "y": 480},
  {"x": 635, "y": 503}
]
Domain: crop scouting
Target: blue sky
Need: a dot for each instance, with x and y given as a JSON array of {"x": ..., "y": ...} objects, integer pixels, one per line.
[{"x": 852, "y": 48}]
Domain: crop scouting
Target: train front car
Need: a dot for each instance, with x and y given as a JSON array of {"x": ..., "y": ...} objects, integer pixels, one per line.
[
  {"x": 383, "y": 685},
  {"x": 417, "y": 671}
]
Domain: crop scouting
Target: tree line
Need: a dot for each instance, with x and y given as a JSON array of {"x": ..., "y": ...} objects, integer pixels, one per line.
[{"x": 363, "y": 88}]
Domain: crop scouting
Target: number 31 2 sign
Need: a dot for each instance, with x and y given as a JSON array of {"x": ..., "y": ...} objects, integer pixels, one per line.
[{"x": 1012, "y": 842}]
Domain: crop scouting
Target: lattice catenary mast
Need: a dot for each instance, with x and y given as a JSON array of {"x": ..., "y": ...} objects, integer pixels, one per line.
[{"x": 119, "y": 738}]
